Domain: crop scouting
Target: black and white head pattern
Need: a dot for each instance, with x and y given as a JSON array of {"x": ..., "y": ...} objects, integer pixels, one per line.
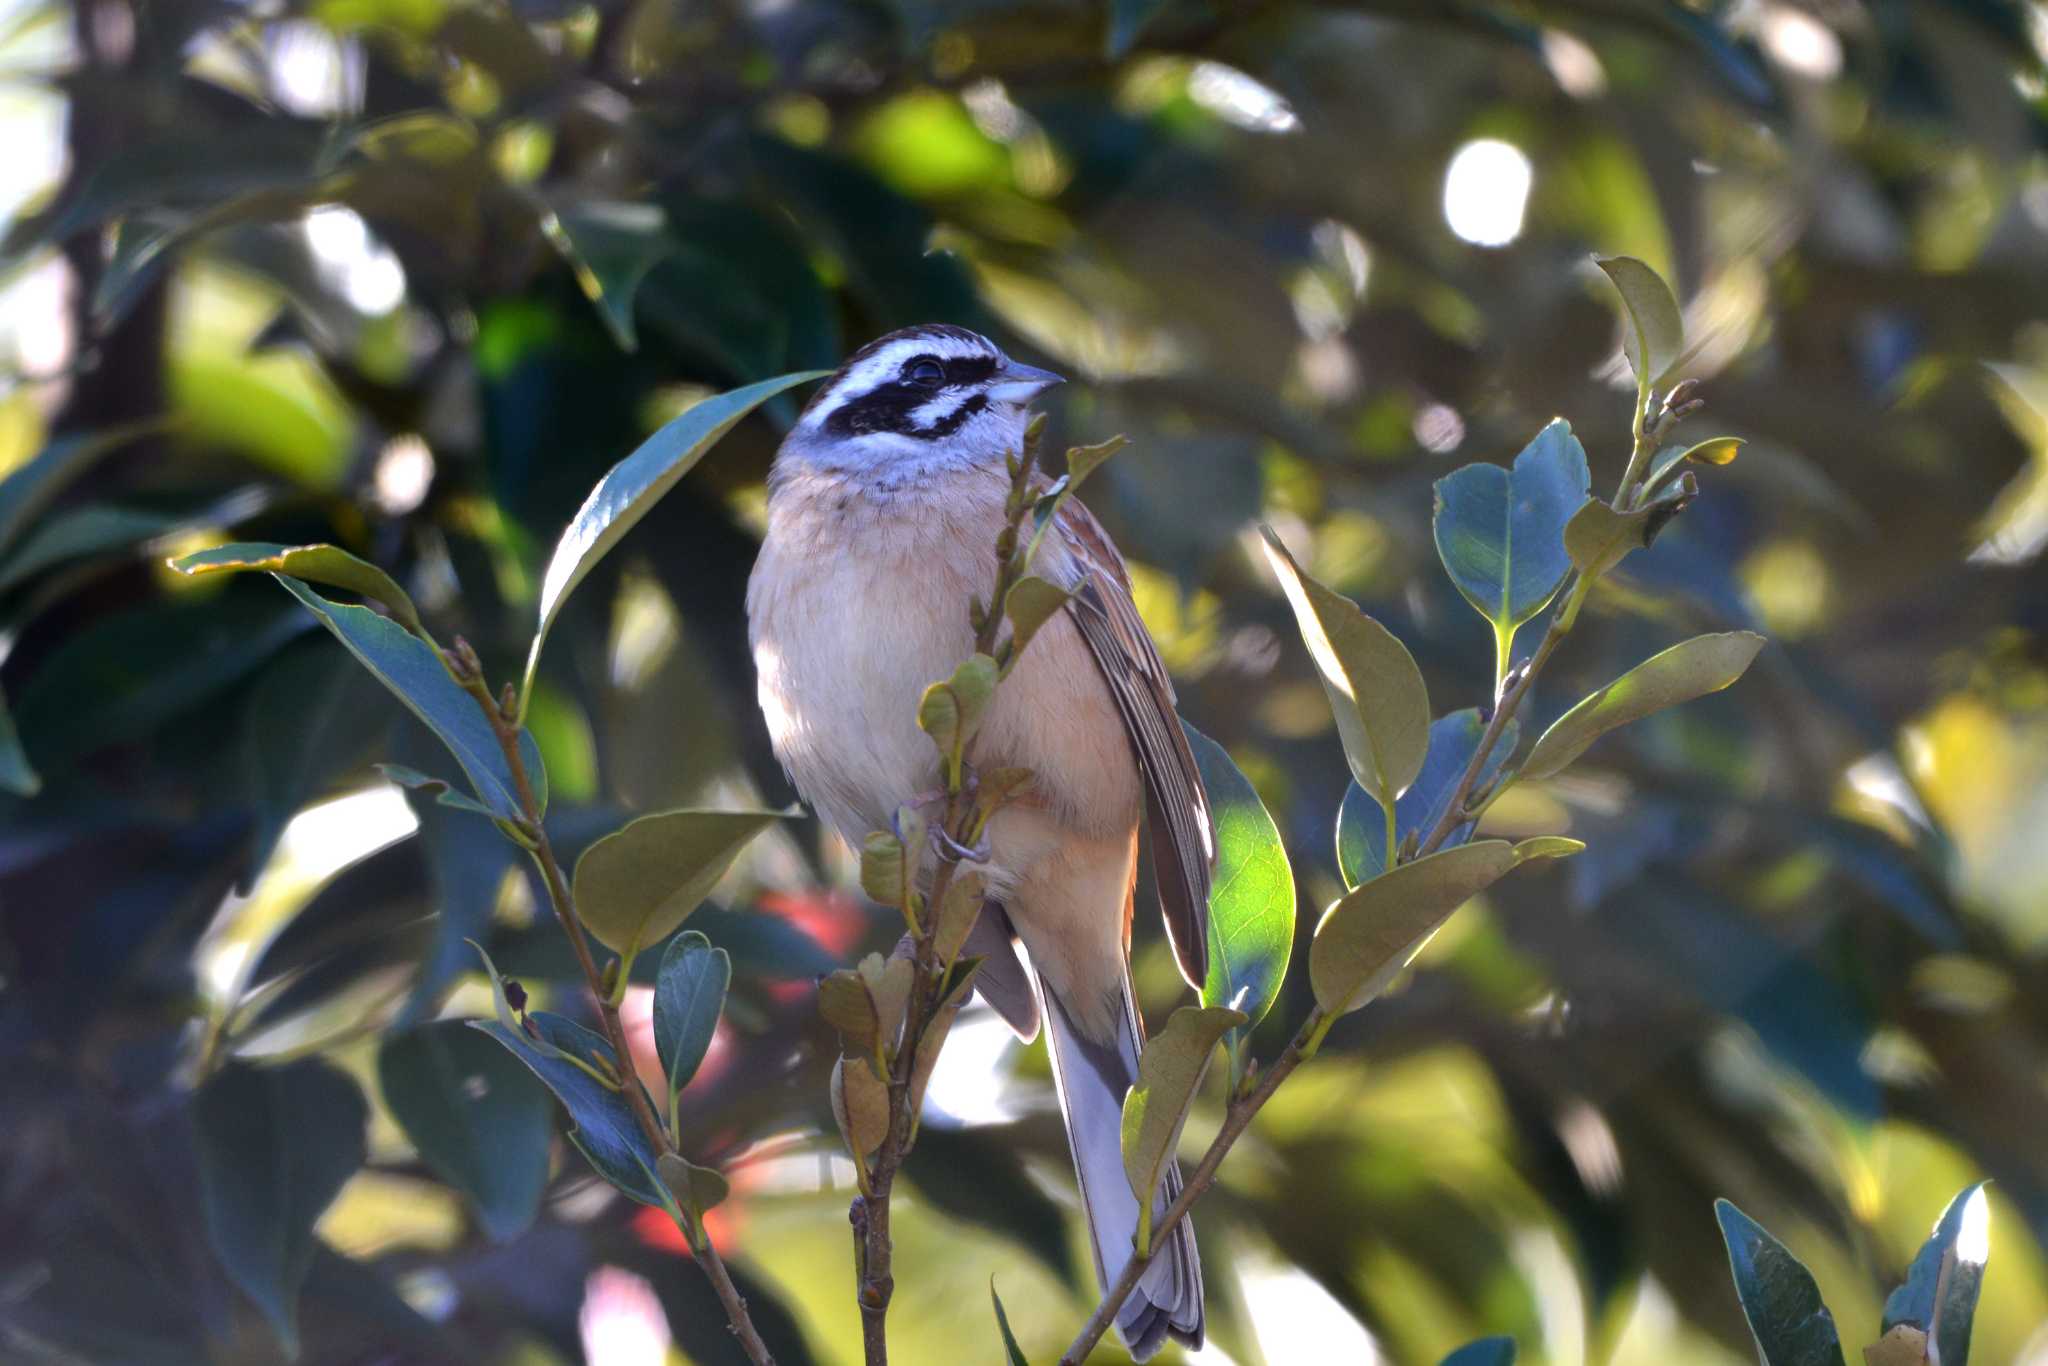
[{"x": 919, "y": 399}]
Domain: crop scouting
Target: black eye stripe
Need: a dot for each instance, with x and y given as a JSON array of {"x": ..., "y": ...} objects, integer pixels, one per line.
[{"x": 892, "y": 408}]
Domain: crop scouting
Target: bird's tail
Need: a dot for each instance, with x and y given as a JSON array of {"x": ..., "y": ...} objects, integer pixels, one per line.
[{"x": 1092, "y": 1078}]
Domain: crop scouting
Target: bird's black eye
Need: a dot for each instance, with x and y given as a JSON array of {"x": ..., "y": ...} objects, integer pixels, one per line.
[{"x": 927, "y": 373}]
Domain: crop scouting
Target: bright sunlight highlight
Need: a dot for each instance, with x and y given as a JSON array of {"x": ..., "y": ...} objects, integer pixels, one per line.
[{"x": 1486, "y": 188}]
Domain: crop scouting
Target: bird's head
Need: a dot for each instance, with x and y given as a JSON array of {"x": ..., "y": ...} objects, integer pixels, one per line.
[{"x": 922, "y": 398}]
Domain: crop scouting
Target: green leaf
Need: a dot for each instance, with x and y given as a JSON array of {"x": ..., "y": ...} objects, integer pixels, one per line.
[
  {"x": 882, "y": 867},
  {"x": 1377, "y": 693},
  {"x": 1500, "y": 532},
  {"x": 437, "y": 788},
  {"x": 1598, "y": 538},
  {"x": 1453, "y": 739},
  {"x": 1687, "y": 670},
  {"x": 633, "y": 486},
  {"x": 1083, "y": 461},
  {"x": 476, "y": 1117},
  {"x": 79, "y": 533},
  {"x": 605, "y": 1132},
  {"x": 1157, "y": 1106},
  {"x": 1715, "y": 450},
  {"x": 1654, "y": 338},
  {"x": 1939, "y": 1297},
  {"x": 29, "y": 489},
  {"x": 951, "y": 712},
  {"x": 1783, "y": 1305},
  {"x": 1251, "y": 895},
  {"x": 688, "y": 995},
  {"x": 326, "y": 564},
  {"x": 1030, "y": 603},
  {"x": 1498, "y": 1351},
  {"x": 1011, "y": 1351},
  {"x": 637, "y": 885},
  {"x": 844, "y": 1003},
  {"x": 16, "y": 775},
  {"x": 1373, "y": 931},
  {"x": 409, "y": 667},
  {"x": 275, "y": 1146},
  {"x": 611, "y": 246},
  {"x": 695, "y": 1188},
  {"x": 860, "y": 1105}
]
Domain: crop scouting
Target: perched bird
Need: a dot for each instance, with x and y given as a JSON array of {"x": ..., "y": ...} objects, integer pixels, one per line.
[{"x": 883, "y": 509}]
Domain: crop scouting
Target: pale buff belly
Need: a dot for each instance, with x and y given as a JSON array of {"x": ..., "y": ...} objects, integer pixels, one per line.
[{"x": 855, "y": 608}]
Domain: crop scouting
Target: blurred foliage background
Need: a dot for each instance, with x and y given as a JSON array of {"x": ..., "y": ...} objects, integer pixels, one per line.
[{"x": 408, "y": 275}]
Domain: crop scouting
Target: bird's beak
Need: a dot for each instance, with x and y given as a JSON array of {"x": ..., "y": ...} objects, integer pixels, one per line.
[{"x": 1020, "y": 383}]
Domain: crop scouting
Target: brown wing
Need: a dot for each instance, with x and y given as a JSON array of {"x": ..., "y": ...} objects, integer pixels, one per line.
[{"x": 1176, "y": 805}]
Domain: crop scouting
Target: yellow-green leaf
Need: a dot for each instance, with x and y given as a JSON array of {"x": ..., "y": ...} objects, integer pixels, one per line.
[
  {"x": 860, "y": 1105},
  {"x": 958, "y": 913},
  {"x": 888, "y": 985},
  {"x": 1377, "y": 693},
  {"x": 1083, "y": 461},
  {"x": 1030, "y": 604},
  {"x": 1373, "y": 931},
  {"x": 328, "y": 564},
  {"x": 695, "y": 1188},
  {"x": 882, "y": 867},
  {"x": 1547, "y": 846},
  {"x": 1692, "y": 669},
  {"x": 1654, "y": 339},
  {"x": 635, "y": 886},
  {"x": 1718, "y": 450},
  {"x": 1168, "y": 1073}
]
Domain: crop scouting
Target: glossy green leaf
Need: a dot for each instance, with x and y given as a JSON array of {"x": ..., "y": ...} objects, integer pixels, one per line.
[
  {"x": 1691, "y": 669},
  {"x": 1377, "y": 693},
  {"x": 325, "y": 564},
  {"x": 1251, "y": 893},
  {"x": 605, "y": 1132},
  {"x": 26, "y": 491},
  {"x": 689, "y": 993},
  {"x": 1653, "y": 338},
  {"x": 1453, "y": 739},
  {"x": 1370, "y": 933},
  {"x": 275, "y": 1145},
  {"x": 633, "y": 486},
  {"x": 476, "y": 1117},
  {"x": 637, "y": 885},
  {"x": 1939, "y": 1297},
  {"x": 1783, "y": 1305},
  {"x": 16, "y": 774},
  {"x": 1011, "y": 1352},
  {"x": 1169, "y": 1070},
  {"x": 409, "y": 667},
  {"x": 1497, "y": 1351},
  {"x": 1500, "y": 531}
]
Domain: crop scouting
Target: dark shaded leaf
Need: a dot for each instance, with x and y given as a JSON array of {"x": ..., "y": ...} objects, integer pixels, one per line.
[
  {"x": 1783, "y": 1305},
  {"x": 1498, "y": 1351},
  {"x": 611, "y": 246},
  {"x": 689, "y": 992},
  {"x": 1500, "y": 531},
  {"x": 16, "y": 774},
  {"x": 275, "y": 1146},
  {"x": 29, "y": 489},
  {"x": 476, "y": 1117},
  {"x": 605, "y": 1131},
  {"x": 78, "y": 533},
  {"x": 1362, "y": 830},
  {"x": 1011, "y": 1351}
]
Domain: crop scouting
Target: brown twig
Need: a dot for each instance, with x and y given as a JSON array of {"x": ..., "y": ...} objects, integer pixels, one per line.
[{"x": 463, "y": 667}]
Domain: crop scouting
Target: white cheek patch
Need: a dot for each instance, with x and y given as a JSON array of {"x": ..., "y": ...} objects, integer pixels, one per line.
[{"x": 938, "y": 410}]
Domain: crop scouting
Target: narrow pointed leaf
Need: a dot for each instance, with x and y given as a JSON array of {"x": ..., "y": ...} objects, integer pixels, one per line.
[
  {"x": 1370, "y": 933},
  {"x": 605, "y": 1131},
  {"x": 633, "y": 486},
  {"x": 327, "y": 564},
  {"x": 275, "y": 1145},
  {"x": 408, "y": 666},
  {"x": 1377, "y": 693},
  {"x": 637, "y": 885},
  {"x": 1653, "y": 337},
  {"x": 689, "y": 993},
  {"x": 1939, "y": 1297},
  {"x": 611, "y": 246},
  {"x": 1251, "y": 895},
  {"x": 1687, "y": 670},
  {"x": 1453, "y": 739},
  {"x": 1783, "y": 1305},
  {"x": 1011, "y": 1352},
  {"x": 476, "y": 1116},
  {"x": 1168, "y": 1073},
  {"x": 1500, "y": 531}
]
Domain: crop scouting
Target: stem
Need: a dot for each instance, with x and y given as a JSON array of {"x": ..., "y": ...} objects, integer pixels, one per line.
[
  {"x": 1235, "y": 1120},
  {"x": 869, "y": 1214},
  {"x": 507, "y": 731}
]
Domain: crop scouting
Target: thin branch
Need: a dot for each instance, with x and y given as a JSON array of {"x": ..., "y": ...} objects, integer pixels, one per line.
[{"x": 463, "y": 666}]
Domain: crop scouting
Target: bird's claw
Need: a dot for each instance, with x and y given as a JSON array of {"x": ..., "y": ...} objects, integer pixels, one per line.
[{"x": 951, "y": 848}]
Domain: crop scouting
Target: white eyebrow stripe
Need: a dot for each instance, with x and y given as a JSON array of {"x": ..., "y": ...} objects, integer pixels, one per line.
[{"x": 886, "y": 363}]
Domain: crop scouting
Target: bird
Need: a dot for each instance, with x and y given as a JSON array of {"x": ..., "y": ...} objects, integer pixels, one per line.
[{"x": 884, "y": 504}]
